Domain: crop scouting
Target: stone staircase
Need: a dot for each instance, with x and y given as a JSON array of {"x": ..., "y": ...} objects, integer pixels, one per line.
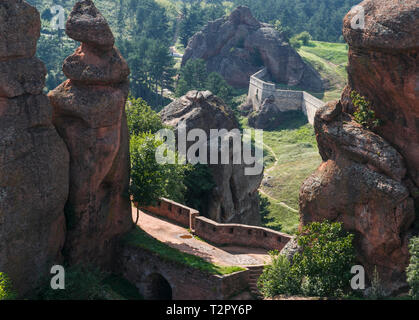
[{"x": 254, "y": 274}]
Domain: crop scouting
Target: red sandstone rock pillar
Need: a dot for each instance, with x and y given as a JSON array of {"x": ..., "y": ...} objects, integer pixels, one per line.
[
  {"x": 384, "y": 67},
  {"x": 369, "y": 181},
  {"x": 89, "y": 115},
  {"x": 34, "y": 160}
]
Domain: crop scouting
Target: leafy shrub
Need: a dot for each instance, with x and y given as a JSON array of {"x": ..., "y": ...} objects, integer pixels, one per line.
[
  {"x": 141, "y": 118},
  {"x": 321, "y": 267},
  {"x": 295, "y": 43},
  {"x": 413, "y": 268},
  {"x": 6, "y": 290},
  {"x": 304, "y": 37},
  {"x": 325, "y": 260},
  {"x": 363, "y": 114},
  {"x": 278, "y": 277},
  {"x": 301, "y": 39}
]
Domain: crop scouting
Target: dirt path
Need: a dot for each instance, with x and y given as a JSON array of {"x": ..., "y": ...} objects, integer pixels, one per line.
[
  {"x": 179, "y": 238},
  {"x": 266, "y": 174}
]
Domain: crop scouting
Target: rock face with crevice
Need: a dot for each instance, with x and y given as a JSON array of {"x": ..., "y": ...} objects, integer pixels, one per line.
[
  {"x": 369, "y": 180},
  {"x": 238, "y": 46},
  {"x": 34, "y": 161},
  {"x": 89, "y": 114},
  {"x": 234, "y": 199},
  {"x": 360, "y": 183}
]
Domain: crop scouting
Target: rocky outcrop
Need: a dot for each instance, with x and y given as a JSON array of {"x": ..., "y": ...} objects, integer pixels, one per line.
[
  {"x": 238, "y": 46},
  {"x": 234, "y": 199},
  {"x": 89, "y": 115},
  {"x": 383, "y": 67},
  {"x": 360, "y": 183},
  {"x": 369, "y": 180},
  {"x": 268, "y": 117},
  {"x": 34, "y": 160}
]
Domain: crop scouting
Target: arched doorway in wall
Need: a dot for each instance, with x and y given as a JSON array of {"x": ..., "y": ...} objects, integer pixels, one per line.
[{"x": 157, "y": 288}]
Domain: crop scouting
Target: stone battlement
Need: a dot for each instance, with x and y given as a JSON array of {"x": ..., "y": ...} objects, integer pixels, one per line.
[
  {"x": 285, "y": 100},
  {"x": 219, "y": 233}
]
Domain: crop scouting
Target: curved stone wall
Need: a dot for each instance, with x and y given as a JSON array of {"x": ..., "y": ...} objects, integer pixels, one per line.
[{"x": 285, "y": 100}]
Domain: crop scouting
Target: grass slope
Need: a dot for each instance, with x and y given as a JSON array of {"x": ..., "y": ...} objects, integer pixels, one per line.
[
  {"x": 330, "y": 60},
  {"x": 291, "y": 155}
]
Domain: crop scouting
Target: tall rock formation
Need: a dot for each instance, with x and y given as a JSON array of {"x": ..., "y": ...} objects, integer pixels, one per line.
[
  {"x": 384, "y": 67},
  {"x": 367, "y": 180},
  {"x": 89, "y": 114},
  {"x": 34, "y": 161},
  {"x": 238, "y": 46},
  {"x": 234, "y": 199}
]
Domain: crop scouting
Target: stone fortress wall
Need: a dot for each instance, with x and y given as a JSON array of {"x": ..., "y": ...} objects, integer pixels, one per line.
[
  {"x": 285, "y": 100},
  {"x": 219, "y": 233}
]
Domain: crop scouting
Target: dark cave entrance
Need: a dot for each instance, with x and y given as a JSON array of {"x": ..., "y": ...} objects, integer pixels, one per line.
[{"x": 158, "y": 288}]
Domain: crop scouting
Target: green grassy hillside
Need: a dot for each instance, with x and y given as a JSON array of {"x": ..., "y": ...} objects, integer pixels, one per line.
[
  {"x": 330, "y": 60},
  {"x": 291, "y": 155}
]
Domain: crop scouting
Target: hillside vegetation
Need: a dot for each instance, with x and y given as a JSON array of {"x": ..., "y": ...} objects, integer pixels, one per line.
[{"x": 330, "y": 60}]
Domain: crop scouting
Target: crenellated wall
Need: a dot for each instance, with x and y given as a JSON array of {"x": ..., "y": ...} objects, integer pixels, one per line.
[
  {"x": 285, "y": 100},
  {"x": 174, "y": 211},
  {"x": 219, "y": 233},
  {"x": 240, "y": 235}
]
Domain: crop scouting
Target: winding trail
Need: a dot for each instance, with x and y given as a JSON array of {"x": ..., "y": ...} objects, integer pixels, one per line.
[{"x": 283, "y": 204}]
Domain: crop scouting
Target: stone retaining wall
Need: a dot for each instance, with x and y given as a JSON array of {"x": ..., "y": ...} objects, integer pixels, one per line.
[
  {"x": 240, "y": 235},
  {"x": 139, "y": 266},
  {"x": 174, "y": 211},
  {"x": 219, "y": 233}
]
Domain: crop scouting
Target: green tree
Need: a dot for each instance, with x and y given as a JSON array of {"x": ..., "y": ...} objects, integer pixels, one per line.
[
  {"x": 192, "y": 21},
  {"x": 151, "y": 180},
  {"x": 141, "y": 118},
  {"x": 304, "y": 37},
  {"x": 193, "y": 76},
  {"x": 321, "y": 267},
  {"x": 285, "y": 31},
  {"x": 325, "y": 260},
  {"x": 218, "y": 86}
]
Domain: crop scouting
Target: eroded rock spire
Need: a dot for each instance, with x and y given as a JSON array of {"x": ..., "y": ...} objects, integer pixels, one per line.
[
  {"x": 89, "y": 113},
  {"x": 34, "y": 161}
]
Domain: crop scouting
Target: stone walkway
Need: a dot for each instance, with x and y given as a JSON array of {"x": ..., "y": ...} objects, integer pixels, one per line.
[{"x": 178, "y": 237}]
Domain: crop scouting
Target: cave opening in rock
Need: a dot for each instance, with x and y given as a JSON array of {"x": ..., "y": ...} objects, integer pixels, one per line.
[{"x": 158, "y": 288}]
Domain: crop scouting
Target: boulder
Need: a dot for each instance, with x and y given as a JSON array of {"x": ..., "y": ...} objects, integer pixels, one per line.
[
  {"x": 238, "y": 46},
  {"x": 87, "y": 25},
  {"x": 20, "y": 27},
  {"x": 89, "y": 114},
  {"x": 234, "y": 199},
  {"x": 34, "y": 161},
  {"x": 267, "y": 117}
]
